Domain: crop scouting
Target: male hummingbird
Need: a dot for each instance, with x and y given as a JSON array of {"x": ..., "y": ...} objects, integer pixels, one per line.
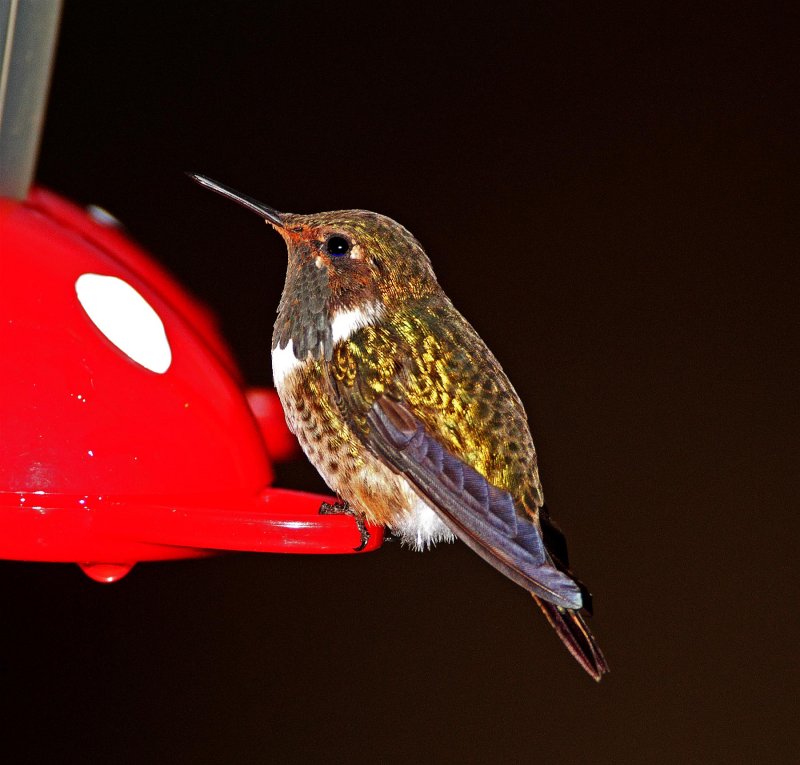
[{"x": 406, "y": 413}]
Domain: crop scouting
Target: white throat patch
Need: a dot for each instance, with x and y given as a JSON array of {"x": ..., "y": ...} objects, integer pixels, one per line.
[{"x": 345, "y": 323}]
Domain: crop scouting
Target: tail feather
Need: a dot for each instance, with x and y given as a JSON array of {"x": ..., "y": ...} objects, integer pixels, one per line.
[{"x": 577, "y": 637}]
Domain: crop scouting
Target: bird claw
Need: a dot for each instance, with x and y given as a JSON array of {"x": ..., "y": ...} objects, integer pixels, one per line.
[{"x": 343, "y": 508}]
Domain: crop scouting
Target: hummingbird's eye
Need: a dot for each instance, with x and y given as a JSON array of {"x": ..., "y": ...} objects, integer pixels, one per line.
[{"x": 337, "y": 246}]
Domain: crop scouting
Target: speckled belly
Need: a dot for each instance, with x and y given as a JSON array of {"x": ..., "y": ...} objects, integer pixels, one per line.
[{"x": 347, "y": 467}]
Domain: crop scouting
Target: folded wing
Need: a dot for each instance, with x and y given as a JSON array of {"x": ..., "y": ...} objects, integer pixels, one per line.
[{"x": 483, "y": 516}]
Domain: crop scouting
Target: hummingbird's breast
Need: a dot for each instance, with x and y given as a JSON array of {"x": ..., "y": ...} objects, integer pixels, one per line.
[
  {"x": 342, "y": 459},
  {"x": 340, "y": 456}
]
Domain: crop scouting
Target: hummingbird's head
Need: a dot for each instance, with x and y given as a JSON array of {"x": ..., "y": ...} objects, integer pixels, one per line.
[
  {"x": 345, "y": 269},
  {"x": 362, "y": 258}
]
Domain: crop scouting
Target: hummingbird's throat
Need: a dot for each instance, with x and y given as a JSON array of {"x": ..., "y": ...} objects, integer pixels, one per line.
[{"x": 308, "y": 320}]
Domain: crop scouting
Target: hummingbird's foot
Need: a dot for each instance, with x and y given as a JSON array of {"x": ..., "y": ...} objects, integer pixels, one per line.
[{"x": 342, "y": 508}]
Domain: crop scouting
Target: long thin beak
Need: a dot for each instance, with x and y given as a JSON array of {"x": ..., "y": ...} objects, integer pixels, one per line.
[{"x": 270, "y": 215}]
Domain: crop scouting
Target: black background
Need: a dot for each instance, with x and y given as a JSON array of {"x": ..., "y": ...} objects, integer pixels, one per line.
[{"x": 604, "y": 194}]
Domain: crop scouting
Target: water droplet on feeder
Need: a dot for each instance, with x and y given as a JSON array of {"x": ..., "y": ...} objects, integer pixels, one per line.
[{"x": 106, "y": 573}]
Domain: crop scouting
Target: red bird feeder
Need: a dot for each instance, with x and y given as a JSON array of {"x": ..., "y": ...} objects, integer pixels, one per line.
[{"x": 126, "y": 435}]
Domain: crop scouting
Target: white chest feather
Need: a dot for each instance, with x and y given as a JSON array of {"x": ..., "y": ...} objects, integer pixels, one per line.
[
  {"x": 284, "y": 362},
  {"x": 345, "y": 323}
]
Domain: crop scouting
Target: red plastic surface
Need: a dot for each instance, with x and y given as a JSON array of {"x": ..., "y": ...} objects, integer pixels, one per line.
[
  {"x": 60, "y": 527},
  {"x": 278, "y": 439},
  {"x": 102, "y": 459}
]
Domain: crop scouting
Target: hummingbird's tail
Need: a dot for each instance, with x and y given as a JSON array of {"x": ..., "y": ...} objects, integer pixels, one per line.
[{"x": 577, "y": 637}]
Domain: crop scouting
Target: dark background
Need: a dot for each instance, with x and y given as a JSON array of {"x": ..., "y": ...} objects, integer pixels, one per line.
[{"x": 604, "y": 194}]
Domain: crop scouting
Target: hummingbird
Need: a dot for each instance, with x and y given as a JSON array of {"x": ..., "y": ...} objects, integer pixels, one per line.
[{"x": 404, "y": 410}]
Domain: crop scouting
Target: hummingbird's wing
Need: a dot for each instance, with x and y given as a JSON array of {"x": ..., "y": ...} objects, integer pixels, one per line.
[
  {"x": 427, "y": 397},
  {"x": 485, "y": 519},
  {"x": 481, "y": 515}
]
